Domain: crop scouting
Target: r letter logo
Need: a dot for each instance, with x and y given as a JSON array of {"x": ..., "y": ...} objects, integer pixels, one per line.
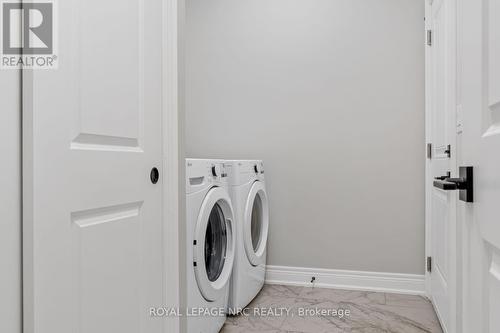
[{"x": 28, "y": 34}]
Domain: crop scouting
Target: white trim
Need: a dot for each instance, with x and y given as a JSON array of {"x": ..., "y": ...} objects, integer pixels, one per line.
[
  {"x": 173, "y": 160},
  {"x": 428, "y": 139},
  {"x": 10, "y": 209},
  {"x": 413, "y": 284},
  {"x": 438, "y": 315}
]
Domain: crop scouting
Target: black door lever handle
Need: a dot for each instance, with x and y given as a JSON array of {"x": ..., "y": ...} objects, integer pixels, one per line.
[
  {"x": 460, "y": 182},
  {"x": 450, "y": 184},
  {"x": 445, "y": 185},
  {"x": 464, "y": 183}
]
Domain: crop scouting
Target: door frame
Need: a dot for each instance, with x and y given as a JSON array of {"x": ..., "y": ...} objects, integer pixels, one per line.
[
  {"x": 174, "y": 191},
  {"x": 455, "y": 293},
  {"x": 10, "y": 194}
]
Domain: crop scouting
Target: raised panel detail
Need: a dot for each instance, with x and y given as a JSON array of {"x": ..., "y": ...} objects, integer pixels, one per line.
[
  {"x": 440, "y": 226},
  {"x": 104, "y": 142},
  {"x": 108, "y": 265},
  {"x": 111, "y": 60},
  {"x": 106, "y": 214},
  {"x": 440, "y": 81}
]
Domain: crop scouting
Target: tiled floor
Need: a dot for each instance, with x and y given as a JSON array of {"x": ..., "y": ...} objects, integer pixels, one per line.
[{"x": 370, "y": 312}]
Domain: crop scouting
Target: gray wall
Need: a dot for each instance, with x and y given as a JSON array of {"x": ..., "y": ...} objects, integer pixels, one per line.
[
  {"x": 10, "y": 202},
  {"x": 330, "y": 94}
]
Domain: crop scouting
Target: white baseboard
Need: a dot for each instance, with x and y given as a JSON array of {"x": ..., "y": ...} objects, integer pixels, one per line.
[{"x": 351, "y": 280}]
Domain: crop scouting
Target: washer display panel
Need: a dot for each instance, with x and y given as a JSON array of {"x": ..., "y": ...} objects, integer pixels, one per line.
[{"x": 215, "y": 243}]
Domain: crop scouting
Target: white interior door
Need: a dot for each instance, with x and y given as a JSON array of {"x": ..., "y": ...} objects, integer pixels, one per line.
[
  {"x": 480, "y": 98},
  {"x": 441, "y": 204},
  {"x": 92, "y": 133}
]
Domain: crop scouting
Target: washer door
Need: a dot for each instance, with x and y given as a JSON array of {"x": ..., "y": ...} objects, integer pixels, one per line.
[
  {"x": 214, "y": 244},
  {"x": 256, "y": 224}
]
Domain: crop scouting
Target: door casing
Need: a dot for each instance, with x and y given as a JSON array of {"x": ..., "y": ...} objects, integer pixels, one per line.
[{"x": 10, "y": 198}]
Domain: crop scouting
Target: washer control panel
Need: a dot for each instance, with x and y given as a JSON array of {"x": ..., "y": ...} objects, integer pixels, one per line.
[
  {"x": 258, "y": 168},
  {"x": 218, "y": 170},
  {"x": 202, "y": 173}
]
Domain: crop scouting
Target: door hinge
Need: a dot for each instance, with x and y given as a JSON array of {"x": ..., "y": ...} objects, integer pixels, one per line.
[
  {"x": 429, "y": 37},
  {"x": 429, "y": 151},
  {"x": 429, "y": 264}
]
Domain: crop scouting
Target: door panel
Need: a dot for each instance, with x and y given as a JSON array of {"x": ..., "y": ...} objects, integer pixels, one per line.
[
  {"x": 440, "y": 254},
  {"x": 106, "y": 258},
  {"x": 111, "y": 110},
  {"x": 442, "y": 218},
  {"x": 490, "y": 142},
  {"x": 480, "y": 86},
  {"x": 93, "y": 222},
  {"x": 488, "y": 193}
]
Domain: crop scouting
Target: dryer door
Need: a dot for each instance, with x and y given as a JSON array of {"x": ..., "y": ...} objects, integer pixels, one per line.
[
  {"x": 256, "y": 224},
  {"x": 214, "y": 244}
]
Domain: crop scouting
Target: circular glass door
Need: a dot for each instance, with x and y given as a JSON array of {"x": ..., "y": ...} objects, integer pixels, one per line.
[
  {"x": 213, "y": 245},
  {"x": 256, "y": 224}
]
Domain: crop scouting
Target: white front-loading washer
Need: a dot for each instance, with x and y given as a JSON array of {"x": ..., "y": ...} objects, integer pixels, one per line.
[
  {"x": 251, "y": 209},
  {"x": 210, "y": 245}
]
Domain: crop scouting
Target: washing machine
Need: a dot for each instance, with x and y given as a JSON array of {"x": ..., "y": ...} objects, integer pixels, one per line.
[
  {"x": 251, "y": 209},
  {"x": 210, "y": 245}
]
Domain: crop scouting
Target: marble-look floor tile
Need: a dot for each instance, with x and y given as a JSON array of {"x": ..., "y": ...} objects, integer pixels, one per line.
[
  {"x": 337, "y": 295},
  {"x": 370, "y": 312},
  {"x": 280, "y": 290},
  {"x": 311, "y": 325},
  {"x": 256, "y": 322},
  {"x": 392, "y": 318},
  {"x": 412, "y": 319},
  {"x": 228, "y": 328},
  {"x": 407, "y": 300},
  {"x": 368, "y": 330},
  {"x": 274, "y": 301},
  {"x": 312, "y": 314}
]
